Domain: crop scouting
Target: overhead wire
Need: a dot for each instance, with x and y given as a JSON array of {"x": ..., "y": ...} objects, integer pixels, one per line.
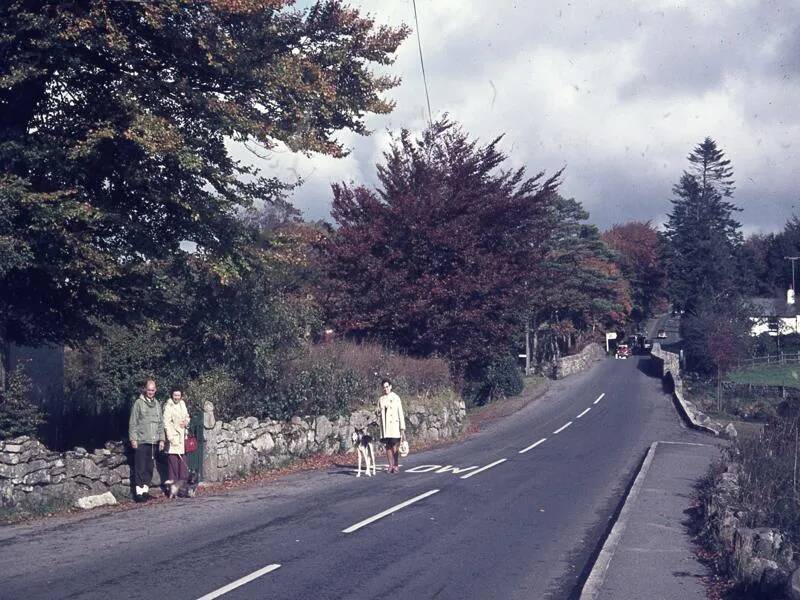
[{"x": 422, "y": 64}]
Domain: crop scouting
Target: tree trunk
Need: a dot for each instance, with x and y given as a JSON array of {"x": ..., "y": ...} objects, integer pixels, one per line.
[
  {"x": 719, "y": 391},
  {"x": 527, "y": 347}
]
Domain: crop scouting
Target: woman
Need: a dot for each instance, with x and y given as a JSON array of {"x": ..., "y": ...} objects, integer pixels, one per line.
[
  {"x": 176, "y": 420},
  {"x": 393, "y": 423}
]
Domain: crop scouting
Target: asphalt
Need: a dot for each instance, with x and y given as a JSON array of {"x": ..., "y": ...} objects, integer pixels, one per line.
[{"x": 491, "y": 517}]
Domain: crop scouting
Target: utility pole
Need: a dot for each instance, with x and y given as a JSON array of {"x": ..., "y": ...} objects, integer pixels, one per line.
[{"x": 794, "y": 259}]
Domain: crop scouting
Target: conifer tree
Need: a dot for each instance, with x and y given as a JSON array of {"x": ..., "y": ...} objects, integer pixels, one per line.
[{"x": 703, "y": 237}]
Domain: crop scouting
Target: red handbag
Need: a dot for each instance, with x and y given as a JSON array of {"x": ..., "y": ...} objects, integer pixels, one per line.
[{"x": 190, "y": 444}]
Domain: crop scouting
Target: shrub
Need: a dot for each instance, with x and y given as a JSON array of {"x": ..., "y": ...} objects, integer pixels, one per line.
[
  {"x": 501, "y": 378},
  {"x": 229, "y": 398},
  {"x": 18, "y": 414},
  {"x": 770, "y": 479}
]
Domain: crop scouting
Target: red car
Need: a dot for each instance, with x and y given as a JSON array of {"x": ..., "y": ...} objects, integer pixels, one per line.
[{"x": 623, "y": 351}]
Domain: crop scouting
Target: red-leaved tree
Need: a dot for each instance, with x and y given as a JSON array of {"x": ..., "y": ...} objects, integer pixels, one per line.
[
  {"x": 437, "y": 259},
  {"x": 640, "y": 257}
]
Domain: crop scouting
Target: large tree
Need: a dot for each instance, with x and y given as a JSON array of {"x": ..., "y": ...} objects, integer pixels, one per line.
[
  {"x": 436, "y": 259},
  {"x": 577, "y": 291},
  {"x": 703, "y": 237},
  {"x": 639, "y": 254},
  {"x": 115, "y": 120}
]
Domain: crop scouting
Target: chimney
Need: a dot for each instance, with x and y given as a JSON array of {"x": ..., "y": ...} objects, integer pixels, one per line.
[{"x": 790, "y": 296}]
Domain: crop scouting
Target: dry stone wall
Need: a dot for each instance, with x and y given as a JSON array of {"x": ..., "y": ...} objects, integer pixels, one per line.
[
  {"x": 246, "y": 445},
  {"x": 30, "y": 474},
  {"x": 569, "y": 365}
]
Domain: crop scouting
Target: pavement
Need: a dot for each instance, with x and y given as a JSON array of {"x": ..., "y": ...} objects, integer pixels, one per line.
[{"x": 649, "y": 552}]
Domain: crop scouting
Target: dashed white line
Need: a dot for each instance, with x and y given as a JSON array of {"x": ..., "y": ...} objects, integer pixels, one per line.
[
  {"x": 532, "y": 446},
  {"x": 600, "y": 397},
  {"x": 388, "y": 511},
  {"x": 584, "y": 412},
  {"x": 489, "y": 466},
  {"x": 239, "y": 582},
  {"x": 562, "y": 428}
]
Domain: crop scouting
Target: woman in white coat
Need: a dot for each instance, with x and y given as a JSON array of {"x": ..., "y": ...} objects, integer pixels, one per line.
[
  {"x": 393, "y": 423},
  {"x": 176, "y": 420}
]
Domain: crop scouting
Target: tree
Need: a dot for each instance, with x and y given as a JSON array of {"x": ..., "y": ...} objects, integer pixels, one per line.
[
  {"x": 639, "y": 255},
  {"x": 578, "y": 289},
  {"x": 703, "y": 239},
  {"x": 437, "y": 258},
  {"x": 114, "y": 119}
]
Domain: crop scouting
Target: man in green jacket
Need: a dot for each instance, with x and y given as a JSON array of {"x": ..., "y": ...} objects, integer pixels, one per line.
[{"x": 145, "y": 432}]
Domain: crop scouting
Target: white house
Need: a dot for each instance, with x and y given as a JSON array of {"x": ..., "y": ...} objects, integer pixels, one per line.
[{"x": 775, "y": 316}]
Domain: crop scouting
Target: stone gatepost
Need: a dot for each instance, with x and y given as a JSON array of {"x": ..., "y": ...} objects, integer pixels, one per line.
[{"x": 211, "y": 429}]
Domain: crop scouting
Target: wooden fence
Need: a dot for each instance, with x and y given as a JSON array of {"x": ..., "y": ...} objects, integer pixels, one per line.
[{"x": 784, "y": 358}]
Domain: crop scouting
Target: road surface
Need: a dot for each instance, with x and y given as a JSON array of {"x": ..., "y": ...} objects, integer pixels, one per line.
[{"x": 516, "y": 511}]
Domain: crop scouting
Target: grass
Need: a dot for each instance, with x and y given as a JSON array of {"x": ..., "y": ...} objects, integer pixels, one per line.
[{"x": 777, "y": 374}]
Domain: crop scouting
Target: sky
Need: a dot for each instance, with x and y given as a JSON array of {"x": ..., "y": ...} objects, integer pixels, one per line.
[{"x": 617, "y": 92}]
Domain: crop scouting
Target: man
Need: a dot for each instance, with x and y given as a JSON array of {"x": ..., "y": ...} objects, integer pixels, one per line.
[{"x": 145, "y": 432}]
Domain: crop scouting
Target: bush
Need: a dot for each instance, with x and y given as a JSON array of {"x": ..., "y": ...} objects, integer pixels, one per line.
[
  {"x": 770, "y": 479},
  {"x": 18, "y": 415},
  {"x": 501, "y": 378}
]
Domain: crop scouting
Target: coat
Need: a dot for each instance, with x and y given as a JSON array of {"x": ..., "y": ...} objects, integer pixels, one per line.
[
  {"x": 393, "y": 421},
  {"x": 174, "y": 413},
  {"x": 145, "y": 425}
]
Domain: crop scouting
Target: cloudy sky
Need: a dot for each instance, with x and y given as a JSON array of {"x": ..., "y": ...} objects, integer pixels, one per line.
[{"x": 617, "y": 91}]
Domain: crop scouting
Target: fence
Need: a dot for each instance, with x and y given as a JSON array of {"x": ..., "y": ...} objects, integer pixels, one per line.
[{"x": 784, "y": 358}]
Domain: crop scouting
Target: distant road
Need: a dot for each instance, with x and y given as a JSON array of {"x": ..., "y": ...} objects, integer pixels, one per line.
[{"x": 514, "y": 512}]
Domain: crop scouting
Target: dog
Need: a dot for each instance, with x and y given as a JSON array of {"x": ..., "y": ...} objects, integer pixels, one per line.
[
  {"x": 185, "y": 489},
  {"x": 366, "y": 450}
]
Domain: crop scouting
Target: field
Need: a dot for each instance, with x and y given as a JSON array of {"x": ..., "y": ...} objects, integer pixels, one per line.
[{"x": 786, "y": 375}]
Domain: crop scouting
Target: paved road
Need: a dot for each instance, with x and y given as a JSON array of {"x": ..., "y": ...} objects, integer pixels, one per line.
[{"x": 522, "y": 528}]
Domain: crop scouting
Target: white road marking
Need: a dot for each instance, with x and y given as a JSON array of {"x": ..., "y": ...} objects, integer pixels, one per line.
[
  {"x": 489, "y": 466},
  {"x": 455, "y": 470},
  {"x": 388, "y": 511},
  {"x": 562, "y": 428},
  {"x": 532, "y": 446},
  {"x": 239, "y": 582},
  {"x": 600, "y": 397},
  {"x": 584, "y": 412}
]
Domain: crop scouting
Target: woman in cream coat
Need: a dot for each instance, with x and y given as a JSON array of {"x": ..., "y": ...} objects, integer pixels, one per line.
[
  {"x": 176, "y": 420},
  {"x": 393, "y": 423}
]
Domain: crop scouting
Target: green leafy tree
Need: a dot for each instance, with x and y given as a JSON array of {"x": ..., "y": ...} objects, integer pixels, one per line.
[
  {"x": 703, "y": 240},
  {"x": 18, "y": 415},
  {"x": 114, "y": 119},
  {"x": 578, "y": 291}
]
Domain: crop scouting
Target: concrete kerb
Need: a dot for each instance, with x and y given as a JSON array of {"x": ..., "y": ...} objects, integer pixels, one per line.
[{"x": 594, "y": 582}]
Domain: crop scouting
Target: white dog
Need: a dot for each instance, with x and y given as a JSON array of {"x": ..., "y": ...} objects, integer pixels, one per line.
[{"x": 363, "y": 444}]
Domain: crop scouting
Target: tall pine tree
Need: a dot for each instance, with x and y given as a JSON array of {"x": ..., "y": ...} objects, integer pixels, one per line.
[{"x": 703, "y": 238}]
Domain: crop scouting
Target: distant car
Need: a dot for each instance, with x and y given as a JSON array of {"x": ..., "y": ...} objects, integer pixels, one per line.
[
  {"x": 623, "y": 351},
  {"x": 661, "y": 334},
  {"x": 647, "y": 345}
]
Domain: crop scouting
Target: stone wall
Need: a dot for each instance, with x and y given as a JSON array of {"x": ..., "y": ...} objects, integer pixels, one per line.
[
  {"x": 246, "y": 445},
  {"x": 670, "y": 366},
  {"x": 30, "y": 474},
  {"x": 760, "y": 559},
  {"x": 569, "y": 365}
]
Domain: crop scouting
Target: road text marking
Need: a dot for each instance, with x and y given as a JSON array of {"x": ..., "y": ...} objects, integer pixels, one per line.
[
  {"x": 584, "y": 412},
  {"x": 532, "y": 446},
  {"x": 600, "y": 397},
  {"x": 239, "y": 582},
  {"x": 388, "y": 511},
  {"x": 562, "y": 428},
  {"x": 489, "y": 466}
]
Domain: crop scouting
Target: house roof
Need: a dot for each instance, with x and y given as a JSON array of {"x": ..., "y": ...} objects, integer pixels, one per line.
[{"x": 774, "y": 307}]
